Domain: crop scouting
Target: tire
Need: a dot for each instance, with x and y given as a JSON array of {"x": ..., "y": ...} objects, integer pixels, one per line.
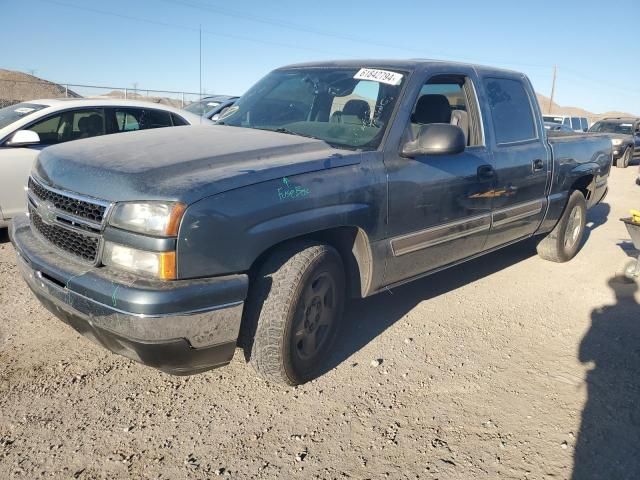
[
  {"x": 293, "y": 312},
  {"x": 625, "y": 160},
  {"x": 563, "y": 242}
]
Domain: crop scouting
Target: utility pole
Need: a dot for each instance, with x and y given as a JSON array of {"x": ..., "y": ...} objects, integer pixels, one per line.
[
  {"x": 553, "y": 89},
  {"x": 200, "y": 62}
]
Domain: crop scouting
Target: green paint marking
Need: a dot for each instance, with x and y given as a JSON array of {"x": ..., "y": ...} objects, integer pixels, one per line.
[
  {"x": 114, "y": 302},
  {"x": 289, "y": 191}
]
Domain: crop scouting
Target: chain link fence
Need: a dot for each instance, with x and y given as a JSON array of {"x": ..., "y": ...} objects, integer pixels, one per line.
[{"x": 16, "y": 91}]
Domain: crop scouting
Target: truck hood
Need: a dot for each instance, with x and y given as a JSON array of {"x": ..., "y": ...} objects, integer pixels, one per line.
[{"x": 182, "y": 163}]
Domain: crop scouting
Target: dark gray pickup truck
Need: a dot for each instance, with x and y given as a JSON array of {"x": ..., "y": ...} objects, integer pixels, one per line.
[{"x": 324, "y": 181}]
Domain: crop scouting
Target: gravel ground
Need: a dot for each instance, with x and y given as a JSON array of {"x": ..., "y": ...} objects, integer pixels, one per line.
[{"x": 505, "y": 367}]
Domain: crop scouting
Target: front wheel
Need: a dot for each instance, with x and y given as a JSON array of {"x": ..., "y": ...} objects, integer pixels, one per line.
[
  {"x": 563, "y": 242},
  {"x": 625, "y": 160},
  {"x": 296, "y": 304}
]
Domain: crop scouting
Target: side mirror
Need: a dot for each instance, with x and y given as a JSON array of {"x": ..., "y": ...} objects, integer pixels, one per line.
[
  {"x": 23, "y": 138},
  {"x": 436, "y": 139}
]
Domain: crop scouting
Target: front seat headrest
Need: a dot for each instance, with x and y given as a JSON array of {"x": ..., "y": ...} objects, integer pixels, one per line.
[
  {"x": 94, "y": 124},
  {"x": 358, "y": 108},
  {"x": 432, "y": 108}
]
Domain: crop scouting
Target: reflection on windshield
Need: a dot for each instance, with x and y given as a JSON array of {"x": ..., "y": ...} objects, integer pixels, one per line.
[
  {"x": 11, "y": 114},
  {"x": 337, "y": 105}
]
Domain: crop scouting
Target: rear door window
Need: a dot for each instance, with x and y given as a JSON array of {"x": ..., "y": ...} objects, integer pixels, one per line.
[
  {"x": 127, "y": 120},
  {"x": 155, "y": 119},
  {"x": 575, "y": 123},
  {"x": 511, "y": 111},
  {"x": 178, "y": 121},
  {"x": 131, "y": 119}
]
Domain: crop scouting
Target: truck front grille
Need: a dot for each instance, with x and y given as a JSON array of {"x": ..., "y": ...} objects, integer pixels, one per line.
[
  {"x": 74, "y": 206},
  {"x": 78, "y": 244},
  {"x": 70, "y": 222}
]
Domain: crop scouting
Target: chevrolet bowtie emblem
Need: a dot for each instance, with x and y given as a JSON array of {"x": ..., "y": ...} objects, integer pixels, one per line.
[{"x": 47, "y": 212}]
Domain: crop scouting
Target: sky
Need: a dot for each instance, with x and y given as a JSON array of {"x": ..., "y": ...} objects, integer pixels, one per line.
[{"x": 155, "y": 44}]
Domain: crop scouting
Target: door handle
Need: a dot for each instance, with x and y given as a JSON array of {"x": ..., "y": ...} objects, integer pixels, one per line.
[
  {"x": 486, "y": 172},
  {"x": 537, "y": 165}
]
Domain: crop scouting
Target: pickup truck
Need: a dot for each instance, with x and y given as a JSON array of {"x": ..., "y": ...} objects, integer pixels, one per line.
[
  {"x": 625, "y": 138},
  {"x": 325, "y": 181}
]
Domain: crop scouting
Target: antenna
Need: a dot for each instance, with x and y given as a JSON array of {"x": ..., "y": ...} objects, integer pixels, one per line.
[{"x": 200, "y": 90}]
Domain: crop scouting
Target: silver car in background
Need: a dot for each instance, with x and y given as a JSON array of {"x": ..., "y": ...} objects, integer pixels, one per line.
[{"x": 28, "y": 127}]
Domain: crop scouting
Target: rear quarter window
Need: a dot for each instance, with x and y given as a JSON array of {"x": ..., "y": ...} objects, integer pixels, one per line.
[
  {"x": 511, "y": 111},
  {"x": 178, "y": 121}
]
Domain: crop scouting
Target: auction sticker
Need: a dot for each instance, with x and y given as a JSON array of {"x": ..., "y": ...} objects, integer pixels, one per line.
[
  {"x": 24, "y": 110},
  {"x": 382, "y": 76}
]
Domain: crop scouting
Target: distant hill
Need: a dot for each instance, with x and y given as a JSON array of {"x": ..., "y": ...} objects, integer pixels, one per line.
[
  {"x": 132, "y": 95},
  {"x": 576, "y": 111},
  {"x": 18, "y": 87}
]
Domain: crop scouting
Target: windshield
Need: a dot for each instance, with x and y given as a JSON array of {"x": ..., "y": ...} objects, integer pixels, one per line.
[
  {"x": 200, "y": 108},
  {"x": 612, "y": 127},
  {"x": 345, "y": 107},
  {"x": 11, "y": 114}
]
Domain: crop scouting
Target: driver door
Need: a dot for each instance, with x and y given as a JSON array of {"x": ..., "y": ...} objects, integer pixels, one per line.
[{"x": 439, "y": 205}]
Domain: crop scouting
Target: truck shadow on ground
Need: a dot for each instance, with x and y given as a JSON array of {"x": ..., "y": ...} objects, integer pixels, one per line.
[
  {"x": 367, "y": 318},
  {"x": 596, "y": 217},
  {"x": 4, "y": 235},
  {"x": 608, "y": 444}
]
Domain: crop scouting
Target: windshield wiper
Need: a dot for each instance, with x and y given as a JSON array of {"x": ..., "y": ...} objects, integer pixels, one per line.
[{"x": 291, "y": 132}]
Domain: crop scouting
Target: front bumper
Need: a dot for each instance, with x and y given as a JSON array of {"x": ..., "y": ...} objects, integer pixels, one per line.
[
  {"x": 619, "y": 150},
  {"x": 180, "y": 327}
]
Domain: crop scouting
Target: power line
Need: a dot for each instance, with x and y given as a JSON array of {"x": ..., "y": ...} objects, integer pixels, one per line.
[
  {"x": 362, "y": 40},
  {"x": 184, "y": 27}
]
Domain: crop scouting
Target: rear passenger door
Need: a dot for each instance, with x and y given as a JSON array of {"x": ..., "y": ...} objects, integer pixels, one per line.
[{"x": 521, "y": 159}]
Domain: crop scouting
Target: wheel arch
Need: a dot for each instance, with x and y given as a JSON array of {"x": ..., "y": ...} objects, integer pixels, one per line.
[{"x": 354, "y": 247}]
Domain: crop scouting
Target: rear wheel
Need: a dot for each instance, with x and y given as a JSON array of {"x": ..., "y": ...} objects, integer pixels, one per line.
[
  {"x": 563, "y": 242},
  {"x": 625, "y": 160},
  {"x": 296, "y": 304}
]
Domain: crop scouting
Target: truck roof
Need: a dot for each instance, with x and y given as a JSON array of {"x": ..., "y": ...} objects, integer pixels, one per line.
[
  {"x": 407, "y": 64},
  {"x": 620, "y": 119}
]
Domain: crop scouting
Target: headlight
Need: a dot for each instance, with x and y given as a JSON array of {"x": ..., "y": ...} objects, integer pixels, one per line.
[
  {"x": 160, "y": 265},
  {"x": 150, "y": 218},
  {"x": 616, "y": 141}
]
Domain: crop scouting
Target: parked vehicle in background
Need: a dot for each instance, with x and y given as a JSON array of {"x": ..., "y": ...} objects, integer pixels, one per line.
[
  {"x": 215, "y": 114},
  {"x": 209, "y": 106},
  {"x": 325, "y": 180},
  {"x": 557, "y": 127},
  {"x": 577, "y": 124},
  {"x": 625, "y": 138},
  {"x": 27, "y": 128}
]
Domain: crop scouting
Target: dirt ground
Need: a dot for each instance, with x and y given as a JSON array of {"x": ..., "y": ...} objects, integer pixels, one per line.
[{"x": 506, "y": 367}]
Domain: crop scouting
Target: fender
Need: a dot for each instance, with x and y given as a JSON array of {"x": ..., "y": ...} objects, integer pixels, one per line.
[{"x": 227, "y": 232}]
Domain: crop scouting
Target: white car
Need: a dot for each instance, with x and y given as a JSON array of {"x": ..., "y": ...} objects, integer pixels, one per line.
[{"x": 27, "y": 128}]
